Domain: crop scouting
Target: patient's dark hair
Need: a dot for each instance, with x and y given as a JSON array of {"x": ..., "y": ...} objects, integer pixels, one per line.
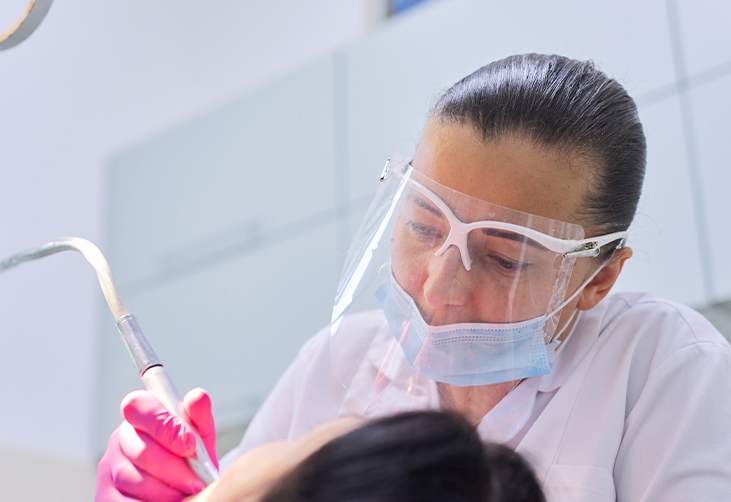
[
  {"x": 418, "y": 456},
  {"x": 569, "y": 107}
]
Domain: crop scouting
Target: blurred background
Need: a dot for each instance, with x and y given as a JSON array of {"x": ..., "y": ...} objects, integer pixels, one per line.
[{"x": 222, "y": 154}]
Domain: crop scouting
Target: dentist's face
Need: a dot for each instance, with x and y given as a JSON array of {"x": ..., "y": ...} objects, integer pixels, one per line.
[{"x": 508, "y": 280}]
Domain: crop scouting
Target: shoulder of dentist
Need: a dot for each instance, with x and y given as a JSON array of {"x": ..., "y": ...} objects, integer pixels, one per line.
[{"x": 638, "y": 406}]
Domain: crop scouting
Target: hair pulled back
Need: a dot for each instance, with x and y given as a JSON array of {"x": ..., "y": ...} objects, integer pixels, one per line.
[{"x": 569, "y": 107}]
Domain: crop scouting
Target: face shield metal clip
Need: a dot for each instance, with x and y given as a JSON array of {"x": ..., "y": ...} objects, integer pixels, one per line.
[
  {"x": 385, "y": 169},
  {"x": 590, "y": 248},
  {"x": 593, "y": 246}
]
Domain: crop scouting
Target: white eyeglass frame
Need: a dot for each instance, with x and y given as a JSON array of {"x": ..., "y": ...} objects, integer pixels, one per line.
[{"x": 458, "y": 231}]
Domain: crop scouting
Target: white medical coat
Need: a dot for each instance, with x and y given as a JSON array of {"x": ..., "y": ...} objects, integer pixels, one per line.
[{"x": 637, "y": 408}]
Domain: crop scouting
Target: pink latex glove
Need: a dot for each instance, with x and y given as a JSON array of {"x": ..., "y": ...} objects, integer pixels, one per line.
[{"x": 144, "y": 459}]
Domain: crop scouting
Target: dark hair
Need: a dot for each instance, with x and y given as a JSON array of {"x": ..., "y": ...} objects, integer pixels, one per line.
[
  {"x": 418, "y": 456},
  {"x": 568, "y": 106}
]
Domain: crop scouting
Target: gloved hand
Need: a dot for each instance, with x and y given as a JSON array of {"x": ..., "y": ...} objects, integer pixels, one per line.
[{"x": 145, "y": 456}]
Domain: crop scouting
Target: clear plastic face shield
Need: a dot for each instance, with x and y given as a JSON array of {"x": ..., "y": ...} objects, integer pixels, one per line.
[{"x": 443, "y": 288}]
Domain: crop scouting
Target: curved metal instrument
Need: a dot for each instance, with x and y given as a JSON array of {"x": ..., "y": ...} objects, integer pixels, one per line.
[{"x": 26, "y": 25}]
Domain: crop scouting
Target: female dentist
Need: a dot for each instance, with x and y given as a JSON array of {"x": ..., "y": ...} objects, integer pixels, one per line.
[{"x": 478, "y": 283}]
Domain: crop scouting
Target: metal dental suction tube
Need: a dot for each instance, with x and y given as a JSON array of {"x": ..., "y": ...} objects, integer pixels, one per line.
[
  {"x": 157, "y": 381},
  {"x": 152, "y": 372}
]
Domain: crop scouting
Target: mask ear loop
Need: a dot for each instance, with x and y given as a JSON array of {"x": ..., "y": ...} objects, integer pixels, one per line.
[{"x": 555, "y": 338}]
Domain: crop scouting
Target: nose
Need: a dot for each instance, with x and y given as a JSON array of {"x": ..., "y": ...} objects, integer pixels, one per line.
[{"x": 447, "y": 281}]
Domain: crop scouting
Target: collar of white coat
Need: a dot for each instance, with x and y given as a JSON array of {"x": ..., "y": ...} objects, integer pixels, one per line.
[
  {"x": 511, "y": 414},
  {"x": 568, "y": 354}
]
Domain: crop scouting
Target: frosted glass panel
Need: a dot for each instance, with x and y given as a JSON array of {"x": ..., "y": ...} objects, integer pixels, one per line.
[
  {"x": 705, "y": 34},
  {"x": 712, "y": 107},
  {"x": 224, "y": 178}
]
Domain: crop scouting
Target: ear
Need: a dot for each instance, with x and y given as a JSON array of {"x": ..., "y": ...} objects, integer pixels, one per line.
[{"x": 600, "y": 285}]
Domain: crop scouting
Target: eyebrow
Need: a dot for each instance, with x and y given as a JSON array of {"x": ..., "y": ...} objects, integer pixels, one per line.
[
  {"x": 493, "y": 232},
  {"x": 420, "y": 202}
]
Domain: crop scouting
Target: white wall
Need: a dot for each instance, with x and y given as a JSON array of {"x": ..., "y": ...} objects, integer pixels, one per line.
[{"x": 94, "y": 78}]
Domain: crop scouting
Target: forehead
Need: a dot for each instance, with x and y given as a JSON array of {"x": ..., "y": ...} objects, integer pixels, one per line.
[{"x": 510, "y": 172}]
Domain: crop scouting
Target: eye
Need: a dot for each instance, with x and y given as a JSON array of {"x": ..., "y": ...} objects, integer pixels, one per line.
[
  {"x": 422, "y": 230},
  {"x": 507, "y": 265}
]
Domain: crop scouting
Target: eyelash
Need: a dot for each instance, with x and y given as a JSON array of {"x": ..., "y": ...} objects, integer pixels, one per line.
[
  {"x": 422, "y": 230},
  {"x": 508, "y": 265}
]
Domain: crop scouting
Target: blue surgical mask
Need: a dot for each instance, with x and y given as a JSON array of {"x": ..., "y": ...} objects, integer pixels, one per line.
[{"x": 468, "y": 354}]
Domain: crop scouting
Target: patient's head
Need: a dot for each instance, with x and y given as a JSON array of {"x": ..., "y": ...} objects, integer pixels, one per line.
[{"x": 419, "y": 456}]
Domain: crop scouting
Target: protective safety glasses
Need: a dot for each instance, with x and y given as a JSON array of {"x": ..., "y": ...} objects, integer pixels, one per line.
[{"x": 458, "y": 231}]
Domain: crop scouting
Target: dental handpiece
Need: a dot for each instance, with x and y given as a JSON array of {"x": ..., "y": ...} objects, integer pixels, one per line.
[{"x": 152, "y": 372}]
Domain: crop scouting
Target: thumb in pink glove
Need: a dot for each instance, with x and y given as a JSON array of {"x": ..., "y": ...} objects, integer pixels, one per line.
[{"x": 145, "y": 458}]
